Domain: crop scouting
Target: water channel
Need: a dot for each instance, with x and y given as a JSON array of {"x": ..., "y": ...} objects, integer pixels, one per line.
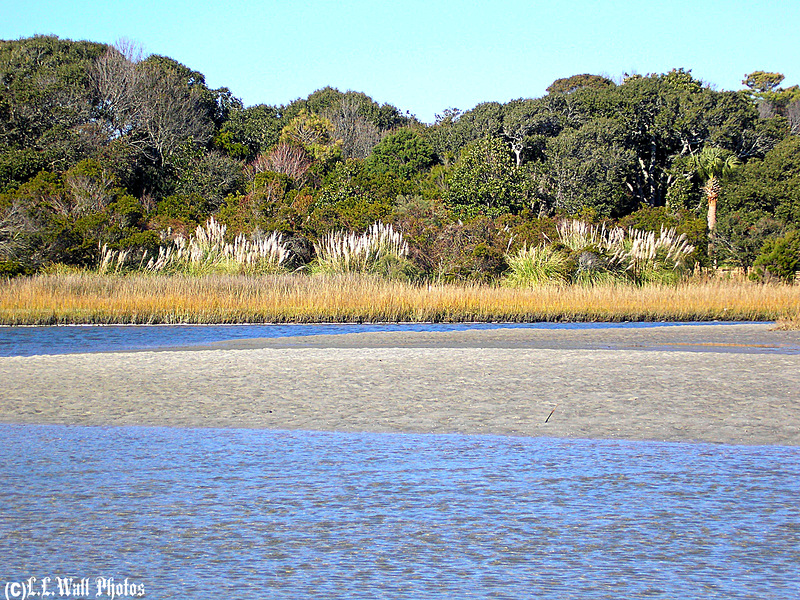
[{"x": 209, "y": 513}]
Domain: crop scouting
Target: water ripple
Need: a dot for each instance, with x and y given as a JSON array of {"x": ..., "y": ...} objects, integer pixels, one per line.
[{"x": 198, "y": 513}]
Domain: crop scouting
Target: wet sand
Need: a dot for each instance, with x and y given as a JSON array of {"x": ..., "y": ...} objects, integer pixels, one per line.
[{"x": 721, "y": 383}]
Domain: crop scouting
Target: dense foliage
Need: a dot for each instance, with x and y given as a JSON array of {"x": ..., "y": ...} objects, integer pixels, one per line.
[{"x": 101, "y": 147}]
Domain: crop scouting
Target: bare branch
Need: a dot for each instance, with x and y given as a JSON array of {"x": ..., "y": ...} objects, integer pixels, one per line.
[{"x": 284, "y": 158}]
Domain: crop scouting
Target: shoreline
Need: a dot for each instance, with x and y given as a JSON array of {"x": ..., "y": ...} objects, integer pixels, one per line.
[{"x": 717, "y": 383}]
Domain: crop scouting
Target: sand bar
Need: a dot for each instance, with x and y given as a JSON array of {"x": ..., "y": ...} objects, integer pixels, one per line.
[{"x": 737, "y": 384}]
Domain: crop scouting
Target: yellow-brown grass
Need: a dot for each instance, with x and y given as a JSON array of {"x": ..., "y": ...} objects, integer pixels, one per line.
[
  {"x": 790, "y": 321},
  {"x": 84, "y": 297}
]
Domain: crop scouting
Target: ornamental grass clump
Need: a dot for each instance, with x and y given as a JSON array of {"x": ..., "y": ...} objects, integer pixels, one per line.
[
  {"x": 590, "y": 254},
  {"x": 588, "y": 248},
  {"x": 380, "y": 250},
  {"x": 641, "y": 257},
  {"x": 112, "y": 261},
  {"x": 537, "y": 265},
  {"x": 579, "y": 236},
  {"x": 206, "y": 252},
  {"x": 645, "y": 257}
]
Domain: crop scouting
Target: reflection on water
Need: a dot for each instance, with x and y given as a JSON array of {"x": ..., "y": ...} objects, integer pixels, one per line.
[
  {"x": 240, "y": 513},
  {"x": 29, "y": 341}
]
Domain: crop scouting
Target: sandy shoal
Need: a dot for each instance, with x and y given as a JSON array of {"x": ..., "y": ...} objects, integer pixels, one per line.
[{"x": 737, "y": 384}]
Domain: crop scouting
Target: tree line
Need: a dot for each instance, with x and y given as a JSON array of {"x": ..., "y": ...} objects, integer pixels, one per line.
[{"x": 101, "y": 145}]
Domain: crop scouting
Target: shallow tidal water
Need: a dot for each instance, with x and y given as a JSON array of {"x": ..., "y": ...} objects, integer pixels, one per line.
[
  {"x": 29, "y": 341},
  {"x": 216, "y": 513}
]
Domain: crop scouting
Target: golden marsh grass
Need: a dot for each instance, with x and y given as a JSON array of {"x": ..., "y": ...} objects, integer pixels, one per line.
[{"x": 85, "y": 297}]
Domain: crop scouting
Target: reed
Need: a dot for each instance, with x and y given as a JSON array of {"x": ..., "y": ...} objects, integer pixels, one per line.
[{"x": 88, "y": 297}]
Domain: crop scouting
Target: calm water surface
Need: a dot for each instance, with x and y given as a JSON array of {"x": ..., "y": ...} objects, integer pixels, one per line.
[
  {"x": 215, "y": 513},
  {"x": 29, "y": 341}
]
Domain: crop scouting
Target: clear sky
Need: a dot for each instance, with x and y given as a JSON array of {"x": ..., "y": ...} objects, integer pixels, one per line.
[{"x": 424, "y": 56}]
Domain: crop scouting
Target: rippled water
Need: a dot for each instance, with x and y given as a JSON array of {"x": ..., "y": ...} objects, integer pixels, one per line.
[
  {"x": 28, "y": 341},
  {"x": 218, "y": 513}
]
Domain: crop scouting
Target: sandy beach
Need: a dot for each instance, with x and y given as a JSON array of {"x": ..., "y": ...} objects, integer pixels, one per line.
[{"x": 720, "y": 383}]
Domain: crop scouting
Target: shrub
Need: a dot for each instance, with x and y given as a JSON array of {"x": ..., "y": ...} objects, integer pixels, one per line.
[
  {"x": 741, "y": 235},
  {"x": 780, "y": 258},
  {"x": 10, "y": 268},
  {"x": 461, "y": 251}
]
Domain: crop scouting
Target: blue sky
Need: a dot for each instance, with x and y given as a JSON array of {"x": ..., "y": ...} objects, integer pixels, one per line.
[{"x": 426, "y": 56}]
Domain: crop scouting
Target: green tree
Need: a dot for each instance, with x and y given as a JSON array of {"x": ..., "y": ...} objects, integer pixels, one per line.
[
  {"x": 485, "y": 177},
  {"x": 485, "y": 120},
  {"x": 45, "y": 87},
  {"x": 257, "y": 128},
  {"x": 315, "y": 134},
  {"x": 525, "y": 126},
  {"x": 47, "y": 106},
  {"x": 445, "y": 137},
  {"x": 358, "y": 121},
  {"x": 455, "y": 129},
  {"x": 773, "y": 100},
  {"x": 209, "y": 174},
  {"x": 667, "y": 117},
  {"x": 762, "y": 82},
  {"x": 769, "y": 185},
  {"x": 405, "y": 153},
  {"x": 588, "y": 167},
  {"x": 328, "y": 101},
  {"x": 216, "y": 104},
  {"x": 567, "y": 85}
]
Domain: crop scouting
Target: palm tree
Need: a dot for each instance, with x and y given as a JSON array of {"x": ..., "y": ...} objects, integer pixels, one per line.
[{"x": 712, "y": 165}]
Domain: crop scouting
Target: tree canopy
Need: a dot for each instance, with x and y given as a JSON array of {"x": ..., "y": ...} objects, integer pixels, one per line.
[{"x": 102, "y": 145}]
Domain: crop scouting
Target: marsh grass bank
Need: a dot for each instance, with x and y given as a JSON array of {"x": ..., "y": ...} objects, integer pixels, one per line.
[{"x": 90, "y": 298}]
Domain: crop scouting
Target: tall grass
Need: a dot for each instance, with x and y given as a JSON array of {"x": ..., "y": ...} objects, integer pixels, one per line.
[
  {"x": 578, "y": 235},
  {"x": 537, "y": 265},
  {"x": 86, "y": 297},
  {"x": 646, "y": 257},
  {"x": 380, "y": 250},
  {"x": 591, "y": 254},
  {"x": 790, "y": 320},
  {"x": 206, "y": 252}
]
